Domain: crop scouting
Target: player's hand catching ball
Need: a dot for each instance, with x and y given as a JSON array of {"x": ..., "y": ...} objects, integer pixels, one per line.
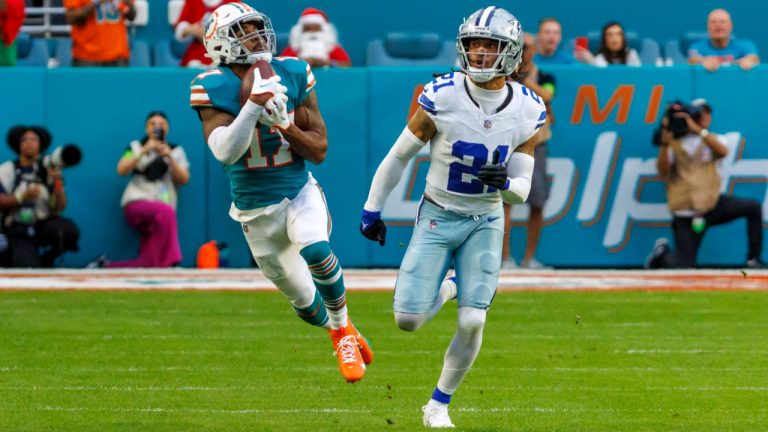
[
  {"x": 264, "y": 89},
  {"x": 275, "y": 113},
  {"x": 372, "y": 227}
]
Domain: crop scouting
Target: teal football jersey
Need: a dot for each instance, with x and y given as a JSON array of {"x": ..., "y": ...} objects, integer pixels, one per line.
[{"x": 269, "y": 171}]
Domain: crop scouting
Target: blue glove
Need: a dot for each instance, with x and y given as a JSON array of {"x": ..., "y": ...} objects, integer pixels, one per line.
[
  {"x": 372, "y": 227},
  {"x": 495, "y": 174}
]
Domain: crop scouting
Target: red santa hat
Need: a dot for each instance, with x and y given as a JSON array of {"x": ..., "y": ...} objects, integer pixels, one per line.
[{"x": 313, "y": 16}]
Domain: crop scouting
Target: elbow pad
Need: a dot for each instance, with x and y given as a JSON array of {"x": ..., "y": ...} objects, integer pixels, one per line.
[
  {"x": 520, "y": 172},
  {"x": 229, "y": 143}
]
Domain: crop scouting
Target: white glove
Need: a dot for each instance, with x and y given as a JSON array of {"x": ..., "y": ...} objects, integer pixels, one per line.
[
  {"x": 275, "y": 112},
  {"x": 270, "y": 85}
]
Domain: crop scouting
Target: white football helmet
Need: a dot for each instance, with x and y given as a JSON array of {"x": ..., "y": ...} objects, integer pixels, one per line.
[
  {"x": 223, "y": 36},
  {"x": 491, "y": 23}
]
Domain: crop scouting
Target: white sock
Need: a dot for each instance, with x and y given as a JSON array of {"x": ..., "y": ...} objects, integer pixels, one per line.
[
  {"x": 338, "y": 317},
  {"x": 444, "y": 295},
  {"x": 463, "y": 349}
]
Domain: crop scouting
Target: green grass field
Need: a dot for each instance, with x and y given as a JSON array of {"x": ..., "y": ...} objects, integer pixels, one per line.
[{"x": 226, "y": 361}]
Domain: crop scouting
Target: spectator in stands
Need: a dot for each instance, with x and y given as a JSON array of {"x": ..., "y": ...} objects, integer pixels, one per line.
[
  {"x": 189, "y": 27},
  {"x": 99, "y": 34},
  {"x": 613, "y": 48},
  {"x": 721, "y": 49},
  {"x": 548, "y": 48},
  {"x": 31, "y": 197},
  {"x": 314, "y": 40},
  {"x": 157, "y": 169},
  {"x": 543, "y": 84},
  {"x": 11, "y": 19},
  {"x": 688, "y": 161}
]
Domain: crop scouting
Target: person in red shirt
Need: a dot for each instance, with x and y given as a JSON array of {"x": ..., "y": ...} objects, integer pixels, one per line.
[
  {"x": 99, "y": 35},
  {"x": 190, "y": 26},
  {"x": 314, "y": 40},
  {"x": 11, "y": 18}
]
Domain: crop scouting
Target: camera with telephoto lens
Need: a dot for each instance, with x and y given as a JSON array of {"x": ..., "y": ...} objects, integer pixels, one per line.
[
  {"x": 677, "y": 124},
  {"x": 65, "y": 156}
]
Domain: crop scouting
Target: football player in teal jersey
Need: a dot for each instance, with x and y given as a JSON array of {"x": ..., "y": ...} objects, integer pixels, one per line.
[{"x": 263, "y": 146}]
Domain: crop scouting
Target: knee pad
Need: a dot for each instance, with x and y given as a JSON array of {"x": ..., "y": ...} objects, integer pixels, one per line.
[
  {"x": 471, "y": 320},
  {"x": 490, "y": 262},
  {"x": 410, "y": 321},
  {"x": 271, "y": 267}
]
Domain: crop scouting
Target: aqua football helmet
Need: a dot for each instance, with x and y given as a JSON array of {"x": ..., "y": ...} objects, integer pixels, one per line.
[
  {"x": 491, "y": 23},
  {"x": 224, "y": 35}
]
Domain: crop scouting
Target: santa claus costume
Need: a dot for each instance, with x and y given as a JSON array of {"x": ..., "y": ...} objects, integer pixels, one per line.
[
  {"x": 322, "y": 46},
  {"x": 195, "y": 12}
]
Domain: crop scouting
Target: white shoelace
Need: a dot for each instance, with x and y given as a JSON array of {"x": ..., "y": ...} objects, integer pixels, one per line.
[{"x": 347, "y": 346}]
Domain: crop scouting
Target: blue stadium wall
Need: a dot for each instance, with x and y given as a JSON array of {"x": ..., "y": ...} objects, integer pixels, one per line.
[
  {"x": 606, "y": 209},
  {"x": 360, "y": 21}
]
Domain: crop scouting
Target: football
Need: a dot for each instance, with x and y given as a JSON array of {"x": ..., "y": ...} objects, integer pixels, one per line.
[{"x": 265, "y": 71}]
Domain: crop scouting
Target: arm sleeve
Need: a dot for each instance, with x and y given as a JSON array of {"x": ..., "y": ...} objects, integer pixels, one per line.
[
  {"x": 391, "y": 169},
  {"x": 519, "y": 173},
  {"x": 229, "y": 143}
]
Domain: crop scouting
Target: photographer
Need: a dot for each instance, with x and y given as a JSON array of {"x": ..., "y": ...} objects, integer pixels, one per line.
[
  {"x": 31, "y": 197},
  {"x": 158, "y": 168},
  {"x": 688, "y": 159}
]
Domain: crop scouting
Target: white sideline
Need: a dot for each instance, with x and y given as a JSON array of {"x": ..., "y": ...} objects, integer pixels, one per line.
[{"x": 373, "y": 279}]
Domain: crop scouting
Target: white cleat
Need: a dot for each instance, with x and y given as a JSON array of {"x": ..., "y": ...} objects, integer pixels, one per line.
[{"x": 436, "y": 415}]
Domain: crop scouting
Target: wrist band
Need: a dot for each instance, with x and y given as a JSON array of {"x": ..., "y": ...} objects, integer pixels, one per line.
[{"x": 704, "y": 133}]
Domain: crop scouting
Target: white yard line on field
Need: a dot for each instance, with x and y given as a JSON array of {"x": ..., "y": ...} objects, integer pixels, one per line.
[{"x": 374, "y": 279}]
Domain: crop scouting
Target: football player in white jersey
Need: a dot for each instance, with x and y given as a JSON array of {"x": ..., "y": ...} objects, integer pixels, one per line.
[{"x": 482, "y": 132}]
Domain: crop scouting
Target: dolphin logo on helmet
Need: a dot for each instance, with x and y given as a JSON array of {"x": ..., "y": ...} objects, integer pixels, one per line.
[
  {"x": 224, "y": 35},
  {"x": 491, "y": 23}
]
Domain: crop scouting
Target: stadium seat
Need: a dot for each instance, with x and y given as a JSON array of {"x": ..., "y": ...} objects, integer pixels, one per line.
[
  {"x": 169, "y": 52},
  {"x": 64, "y": 52},
  {"x": 140, "y": 55},
  {"x": 688, "y": 39},
  {"x": 31, "y": 51},
  {"x": 650, "y": 53},
  {"x": 411, "y": 49},
  {"x": 174, "y": 10},
  {"x": 673, "y": 53},
  {"x": 142, "y": 14},
  {"x": 647, "y": 49}
]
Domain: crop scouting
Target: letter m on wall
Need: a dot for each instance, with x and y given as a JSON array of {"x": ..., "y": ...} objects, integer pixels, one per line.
[{"x": 586, "y": 98}]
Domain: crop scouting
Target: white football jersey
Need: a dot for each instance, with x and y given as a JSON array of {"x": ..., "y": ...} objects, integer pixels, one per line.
[{"x": 466, "y": 139}]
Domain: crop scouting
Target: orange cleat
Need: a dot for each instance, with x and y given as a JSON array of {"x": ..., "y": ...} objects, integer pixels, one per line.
[
  {"x": 362, "y": 343},
  {"x": 345, "y": 347}
]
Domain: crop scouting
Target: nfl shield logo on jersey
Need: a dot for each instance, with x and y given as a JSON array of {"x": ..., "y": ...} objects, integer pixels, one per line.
[
  {"x": 488, "y": 124},
  {"x": 432, "y": 224}
]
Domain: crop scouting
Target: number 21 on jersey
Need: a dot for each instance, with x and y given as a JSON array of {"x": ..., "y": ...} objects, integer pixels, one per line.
[{"x": 462, "y": 176}]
